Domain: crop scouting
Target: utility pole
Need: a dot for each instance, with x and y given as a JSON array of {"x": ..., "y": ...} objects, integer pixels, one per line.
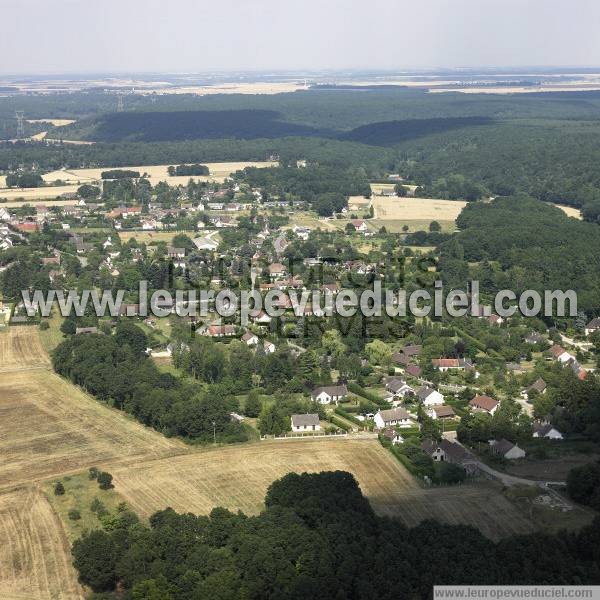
[
  {"x": 215, "y": 431},
  {"x": 19, "y": 115}
]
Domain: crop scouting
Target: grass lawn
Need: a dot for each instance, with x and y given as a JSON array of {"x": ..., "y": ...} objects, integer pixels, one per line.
[{"x": 53, "y": 336}]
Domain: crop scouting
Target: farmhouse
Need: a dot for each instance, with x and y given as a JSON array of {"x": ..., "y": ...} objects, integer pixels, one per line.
[
  {"x": 445, "y": 364},
  {"x": 484, "y": 404},
  {"x": 398, "y": 387},
  {"x": 441, "y": 412},
  {"x": 393, "y": 436},
  {"x": 560, "y": 354},
  {"x": 546, "y": 430},
  {"x": 250, "y": 339},
  {"x": 538, "y": 386},
  {"x": 394, "y": 416},
  {"x": 307, "y": 422},
  {"x": 329, "y": 394},
  {"x": 359, "y": 225},
  {"x": 276, "y": 270},
  {"x": 447, "y": 451},
  {"x": 220, "y": 330},
  {"x": 592, "y": 326},
  {"x": 506, "y": 449},
  {"x": 175, "y": 252},
  {"x": 429, "y": 396}
]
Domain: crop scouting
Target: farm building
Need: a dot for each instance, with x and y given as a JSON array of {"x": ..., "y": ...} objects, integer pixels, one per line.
[{"x": 307, "y": 422}]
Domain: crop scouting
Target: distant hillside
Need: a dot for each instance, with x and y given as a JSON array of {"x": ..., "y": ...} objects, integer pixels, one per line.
[
  {"x": 388, "y": 133},
  {"x": 189, "y": 125}
]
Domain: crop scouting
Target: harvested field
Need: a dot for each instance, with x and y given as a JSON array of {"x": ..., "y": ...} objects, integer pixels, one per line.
[
  {"x": 237, "y": 477},
  {"x": 35, "y": 557},
  {"x": 409, "y": 209},
  {"x": 148, "y": 237},
  {"x": 50, "y": 427},
  {"x": 156, "y": 173},
  {"x": 40, "y": 193},
  {"x": 570, "y": 211},
  {"x": 20, "y": 347},
  {"x": 55, "y": 122}
]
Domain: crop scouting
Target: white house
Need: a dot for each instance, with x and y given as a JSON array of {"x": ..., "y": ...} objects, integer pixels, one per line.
[
  {"x": 359, "y": 225},
  {"x": 441, "y": 412},
  {"x": 308, "y": 422},
  {"x": 329, "y": 394},
  {"x": 398, "y": 387},
  {"x": 250, "y": 339},
  {"x": 391, "y": 434},
  {"x": 484, "y": 404},
  {"x": 429, "y": 396},
  {"x": 394, "y": 416},
  {"x": 506, "y": 449},
  {"x": 547, "y": 431},
  {"x": 560, "y": 354},
  {"x": 269, "y": 347},
  {"x": 591, "y": 327}
]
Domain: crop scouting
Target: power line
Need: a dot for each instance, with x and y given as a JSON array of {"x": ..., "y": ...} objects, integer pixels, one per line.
[{"x": 19, "y": 115}]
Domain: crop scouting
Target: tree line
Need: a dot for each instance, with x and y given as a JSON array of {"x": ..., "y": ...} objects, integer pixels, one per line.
[{"x": 318, "y": 537}]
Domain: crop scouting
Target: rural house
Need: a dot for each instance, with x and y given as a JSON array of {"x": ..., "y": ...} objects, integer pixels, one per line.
[
  {"x": 506, "y": 449},
  {"x": 546, "y": 430},
  {"x": 429, "y": 397},
  {"x": 393, "y": 416},
  {"x": 484, "y": 404},
  {"x": 307, "y": 422},
  {"x": 329, "y": 394}
]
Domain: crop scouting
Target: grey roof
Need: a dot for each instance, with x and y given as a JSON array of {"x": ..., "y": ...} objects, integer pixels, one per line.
[
  {"x": 393, "y": 414},
  {"x": 444, "y": 411},
  {"x": 332, "y": 390},
  {"x": 503, "y": 446},
  {"x": 424, "y": 392},
  {"x": 395, "y": 383},
  {"x": 538, "y": 385},
  {"x": 305, "y": 420}
]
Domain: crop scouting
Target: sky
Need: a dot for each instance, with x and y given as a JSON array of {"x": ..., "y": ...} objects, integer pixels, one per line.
[{"x": 81, "y": 36}]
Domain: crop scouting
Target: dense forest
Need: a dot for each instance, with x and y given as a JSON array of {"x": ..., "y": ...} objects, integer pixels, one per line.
[
  {"x": 319, "y": 538},
  {"x": 519, "y": 243}
]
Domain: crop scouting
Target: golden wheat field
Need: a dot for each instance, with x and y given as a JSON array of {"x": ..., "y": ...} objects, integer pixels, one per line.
[
  {"x": 35, "y": 557},
  {"x": 55, "y": 122},
  {"x": 20, "y": 347},
  {"x": 40, "y": 193},
  {"x": 218, "y": 172},
  {"x": 420, "y": 209},
  {"x": 50, "y": 427},
  {"x": 237, "y": 478}
]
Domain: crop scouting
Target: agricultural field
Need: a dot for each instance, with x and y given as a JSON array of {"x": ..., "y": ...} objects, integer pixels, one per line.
[
  {"x": 419, "y": 209},
  {"x": 21, "y": 348},
  {"x": 35, "y": 557},
  {"x": 149, "y": 237},
  {"x": 55, "y": 122},
  {"x": 218, "y": 172},
  {"x": 29, "y": 195},
  {"x": 51, "y": 427},
  {"x": 237, "y": 477}
]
